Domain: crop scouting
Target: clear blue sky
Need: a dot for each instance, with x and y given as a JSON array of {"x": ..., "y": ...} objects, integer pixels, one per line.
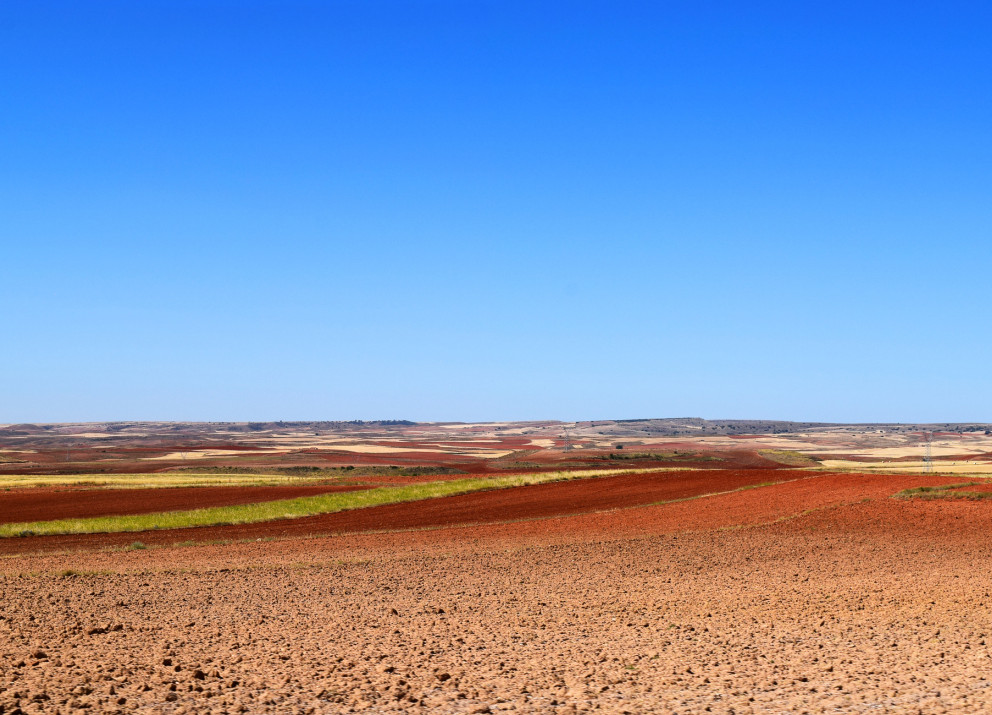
[{"x": 495, "y": 210}]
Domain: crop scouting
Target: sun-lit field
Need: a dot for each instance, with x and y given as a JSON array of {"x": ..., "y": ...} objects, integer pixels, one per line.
[
  {"x": 324, "y": 229},
  {"x": 683, "y": 590},
  {"x": 288, "y": 508},
  {"x": 644, "y": 572}
]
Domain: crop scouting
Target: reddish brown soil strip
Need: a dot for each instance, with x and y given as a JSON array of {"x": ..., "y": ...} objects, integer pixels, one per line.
[
  {"x": 520, "y": 503},
  {"x": 823, "y": 506},
  {"x": 818, "y": 493},
  {"x": 789, "y": 501},
  {"x": 544, "y": 500},
  {"x": 744, "y": 508},
  {"x": 827, "y": 497},
  {"x": 47, "y": 503},
  {"x": 947, "y": 521},
  {"x": 870, "y": 607},
  {"x": 809, "y": 492}
]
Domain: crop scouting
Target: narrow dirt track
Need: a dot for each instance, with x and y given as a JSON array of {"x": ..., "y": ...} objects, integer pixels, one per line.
[{"x": 46, "y": 503}]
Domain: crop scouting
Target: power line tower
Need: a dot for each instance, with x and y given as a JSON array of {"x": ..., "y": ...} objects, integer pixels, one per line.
[
  {"x": 928, "y": 453},
  {"x": 568, "y": 440}
]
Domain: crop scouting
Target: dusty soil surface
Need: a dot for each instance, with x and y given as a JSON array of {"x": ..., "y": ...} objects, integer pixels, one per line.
[
  {"x": 45, "y": 503},
  {"x": 522, "y": 503},
  {"x": 853, "y": 602}
]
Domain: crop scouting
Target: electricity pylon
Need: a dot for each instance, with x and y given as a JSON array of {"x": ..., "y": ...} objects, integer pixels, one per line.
[{"x": 928, "y": 454}]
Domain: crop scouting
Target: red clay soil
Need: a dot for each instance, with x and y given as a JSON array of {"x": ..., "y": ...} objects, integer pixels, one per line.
[
  {"x": 875, "y": 606},
  {"x": 808, "y": 495},
  {"x": 462, "y": 518},
  {"x": 904, "y": 521},
  {"x": 520, "y": 503},
  {"x": 838, "y": 502},
  {"x": 538, "y": 501},
  {"x": 47, "y": 503},
  {"x": 838, "y": 505}
]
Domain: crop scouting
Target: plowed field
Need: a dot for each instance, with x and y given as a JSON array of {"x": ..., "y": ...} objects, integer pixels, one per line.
[
  {"x": 37, "y": 504},
  {"x": 824, "y": 595},
  {"x": 521, "y": 503}
]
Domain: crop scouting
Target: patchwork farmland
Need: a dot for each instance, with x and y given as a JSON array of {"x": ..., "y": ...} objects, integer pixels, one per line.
[{"x": 639, "y": 566}]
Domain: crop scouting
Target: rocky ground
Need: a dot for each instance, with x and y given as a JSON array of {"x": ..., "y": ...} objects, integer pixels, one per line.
[{"x": 876, "y": 606}]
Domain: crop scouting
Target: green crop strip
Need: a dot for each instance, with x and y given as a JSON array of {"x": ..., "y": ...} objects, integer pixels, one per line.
[{"x": 291, "y": 508}]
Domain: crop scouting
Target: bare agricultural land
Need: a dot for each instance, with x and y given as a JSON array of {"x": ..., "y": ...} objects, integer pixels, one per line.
[
  {"x": 725, "y": 572},
  {"x": 321, "y": 447}
]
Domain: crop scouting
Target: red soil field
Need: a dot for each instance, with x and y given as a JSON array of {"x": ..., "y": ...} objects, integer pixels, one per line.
[
  {"x": 46, "y": 503},
  {"x": 819, "y": 505},
  {"x": 827, "y": 498},
  {"x": 808, "y": 492},
  {"x": 900, "y": 521},
  {"x": 612, "y": 507},
  {"x": 544, "y": 500},
  {"x": 530, "y": 502},
  {"x": 842, "y": 600}
]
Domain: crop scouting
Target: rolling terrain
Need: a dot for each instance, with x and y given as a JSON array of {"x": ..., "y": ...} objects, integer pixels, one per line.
[{"x": 721, "y": 572}]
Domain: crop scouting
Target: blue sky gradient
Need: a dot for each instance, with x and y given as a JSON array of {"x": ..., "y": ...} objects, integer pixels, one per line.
[{"x": 495, "y": 210}]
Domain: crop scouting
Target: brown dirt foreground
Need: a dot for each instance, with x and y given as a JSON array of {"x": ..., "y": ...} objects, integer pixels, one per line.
[{"x": 843, "y": 605}]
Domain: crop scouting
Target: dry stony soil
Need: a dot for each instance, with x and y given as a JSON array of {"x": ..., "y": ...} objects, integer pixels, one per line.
[{"x": 820, "y": 594}]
